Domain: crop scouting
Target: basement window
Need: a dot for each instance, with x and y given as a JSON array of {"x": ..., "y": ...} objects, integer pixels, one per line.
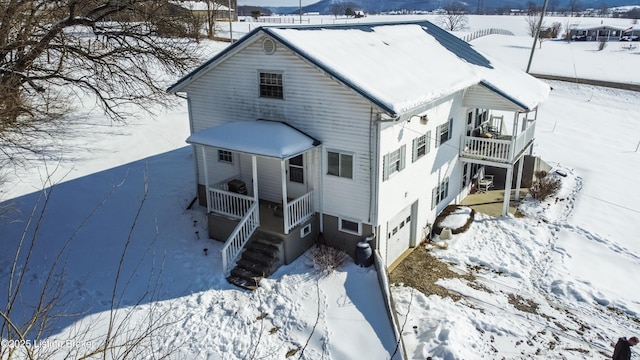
[{"x": 348, "y": 226}]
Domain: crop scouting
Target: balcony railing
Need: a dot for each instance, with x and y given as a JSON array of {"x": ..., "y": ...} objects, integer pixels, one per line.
[
  {"x": 299, "y": 211},
  {"x": 503, "y": 149}
]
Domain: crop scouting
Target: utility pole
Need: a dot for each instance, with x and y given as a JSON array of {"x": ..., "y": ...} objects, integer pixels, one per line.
[
  {"x": 230, "y": 23},
  {"x": 300, "y": 10},
  {"x": 537, "y": 34}
]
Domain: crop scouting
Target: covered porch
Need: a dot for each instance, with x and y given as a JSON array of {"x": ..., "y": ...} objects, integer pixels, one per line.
[
  {"x": 255, "y": 172},
  {"x": 500, "y": 132},
  {"x": 491, "y": 202}
]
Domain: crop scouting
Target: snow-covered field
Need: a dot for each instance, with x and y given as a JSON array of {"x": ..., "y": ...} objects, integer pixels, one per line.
[{"x": 555, "y": 284}]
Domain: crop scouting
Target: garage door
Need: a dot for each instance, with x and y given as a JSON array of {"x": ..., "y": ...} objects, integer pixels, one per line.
[{"x": 399, "y": 234}]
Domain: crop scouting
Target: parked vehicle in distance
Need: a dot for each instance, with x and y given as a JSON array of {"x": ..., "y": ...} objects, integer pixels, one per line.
[{"x": 630, "y": 38}]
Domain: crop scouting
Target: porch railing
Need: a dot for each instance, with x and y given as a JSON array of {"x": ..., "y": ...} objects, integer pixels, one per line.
[
  {"x": 226, "y": 203},
  {"x": 239, "y": 237},
  {"x": 497, "y": 150},
  {"x": 524, "y": 138},
  {"x": 299, "y": 211}
]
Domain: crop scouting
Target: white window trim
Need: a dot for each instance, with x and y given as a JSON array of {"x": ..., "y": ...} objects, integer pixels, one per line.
[
  {"x": 264, "y": 71},
  {"x": 224, "y": 161},
  {"x": 340, "y": 152},
  {"x": 305, "y": 231},
  {"x": 449, "y": 126},
  {"x": 427, "y": 146},
  {"x": 443, "y": 186},
  {"x": 386, "y": 170},
  {"x": 359, "y": 232}
]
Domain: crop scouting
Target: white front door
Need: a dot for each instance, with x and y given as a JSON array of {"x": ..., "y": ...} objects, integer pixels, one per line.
[
  {"x": 399, "y": 234},
  {"x": 296, "y": 176}
]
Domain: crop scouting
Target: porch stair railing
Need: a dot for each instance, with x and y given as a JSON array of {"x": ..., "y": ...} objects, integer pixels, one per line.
[
  {"x": 239, "y": 237},
  {"x": 299, "y": 211}
]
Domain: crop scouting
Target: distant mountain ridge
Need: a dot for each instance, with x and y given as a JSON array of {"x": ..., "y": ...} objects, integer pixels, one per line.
[{"x": 376, "y": 6}]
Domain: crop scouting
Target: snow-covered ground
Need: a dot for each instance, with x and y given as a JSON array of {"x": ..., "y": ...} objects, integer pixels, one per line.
[{"x": 555, "y": 284}]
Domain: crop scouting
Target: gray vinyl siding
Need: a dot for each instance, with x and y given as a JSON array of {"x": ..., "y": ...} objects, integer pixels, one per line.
[{"x": 313, "y": 102}]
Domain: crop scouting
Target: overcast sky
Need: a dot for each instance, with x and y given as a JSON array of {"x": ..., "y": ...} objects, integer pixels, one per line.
[{"x": 276, "y": 2}]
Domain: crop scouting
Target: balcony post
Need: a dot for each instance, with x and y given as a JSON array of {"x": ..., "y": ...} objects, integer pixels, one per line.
[
  {"x": 507, "y": 191},
  {"x": 519, "y": 178}
]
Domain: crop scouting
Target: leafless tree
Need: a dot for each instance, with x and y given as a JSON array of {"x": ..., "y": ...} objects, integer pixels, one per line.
[
  {"x": 532, "y": 24},
  {"x": 213, "y": 8},
  {"x": 455, "y": 17},
  {"x": 111, "y": 50}
]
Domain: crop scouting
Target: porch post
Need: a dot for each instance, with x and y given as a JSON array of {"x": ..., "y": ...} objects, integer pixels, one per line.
[
  {"x": 285, "y": 212},
  {"x": 507, "y": 191},
  {"x": 206, "y": 177},
  {"x": 515, "y": 125},
  {"x": 519, "y": 178},
  {"x": 254, "y": 169}
]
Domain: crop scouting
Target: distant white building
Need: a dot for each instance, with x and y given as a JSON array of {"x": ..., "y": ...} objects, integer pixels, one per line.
[
  {"x": 350, "y": 131},
  {"x": 202, "y": 8},
  {"x": 597, "y": 32}
]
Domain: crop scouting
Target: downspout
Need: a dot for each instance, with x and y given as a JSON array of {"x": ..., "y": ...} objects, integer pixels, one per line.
[
  {"x": 193, "y": 147},
  {"x": 374, "y": 150},
  {"x": 206, "y": 177},
  {"x": 320, "y": 194}
]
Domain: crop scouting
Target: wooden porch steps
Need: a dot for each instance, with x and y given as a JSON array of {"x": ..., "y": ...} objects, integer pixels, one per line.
[{"x": 262, "y": 257}]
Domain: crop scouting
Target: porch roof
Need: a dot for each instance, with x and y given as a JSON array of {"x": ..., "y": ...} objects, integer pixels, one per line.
[{"x": 261, "y": 137}]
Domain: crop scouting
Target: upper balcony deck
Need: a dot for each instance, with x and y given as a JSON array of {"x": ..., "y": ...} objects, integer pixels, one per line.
[{"x": 495, "y": 147}]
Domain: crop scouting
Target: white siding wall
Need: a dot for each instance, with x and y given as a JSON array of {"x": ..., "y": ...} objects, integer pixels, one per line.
[
  {"x": 313, "y": 103},
  {"x": 479, "y": 96},
  {"x": 417, "y": 179},
  {"x": 218, "y": 171}
]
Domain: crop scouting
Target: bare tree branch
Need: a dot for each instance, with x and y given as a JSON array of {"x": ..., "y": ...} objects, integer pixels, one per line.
[{"x": 114, "y": 50}]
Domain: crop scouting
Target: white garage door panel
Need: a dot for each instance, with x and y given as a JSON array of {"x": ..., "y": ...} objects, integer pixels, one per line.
[{"x": 398, "y": 234}]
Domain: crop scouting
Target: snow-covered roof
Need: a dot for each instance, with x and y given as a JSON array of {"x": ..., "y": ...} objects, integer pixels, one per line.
[
  {"x": 398, "y": 66},
  {"x": 595, "y": 27},
  {"x": 200, "y": 6},
  {"x": 260, "y": 137}
]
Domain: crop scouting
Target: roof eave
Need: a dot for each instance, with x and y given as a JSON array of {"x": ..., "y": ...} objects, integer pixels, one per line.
[
  {"x": 506, "y": 96},
  {"x": 197, "y": 72},
  {"x": 379, "y": 103}
]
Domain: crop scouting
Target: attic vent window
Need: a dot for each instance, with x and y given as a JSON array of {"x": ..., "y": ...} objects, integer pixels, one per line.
[{"x": 269, "y": 46}]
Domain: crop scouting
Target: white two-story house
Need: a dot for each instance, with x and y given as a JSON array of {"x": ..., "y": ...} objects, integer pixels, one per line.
[{"x": 343, "y": 132}]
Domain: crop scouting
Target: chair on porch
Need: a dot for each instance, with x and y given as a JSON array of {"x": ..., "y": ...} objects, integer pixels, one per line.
[{"x": 485, "y": 183}]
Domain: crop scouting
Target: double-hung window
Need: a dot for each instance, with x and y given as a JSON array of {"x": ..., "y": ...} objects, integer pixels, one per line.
[
  {"x": 340, "y": 164},
  {"x": 296, "y": 169},
  {"x": 421, "y": 146},
  {"x": 439, "y": 192},
  {"x": 271, "y": 85},
  {"x": 393, "y": 162},
  {"x": 443, "y": 132},
  {"x": 225, "y": 156}
]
